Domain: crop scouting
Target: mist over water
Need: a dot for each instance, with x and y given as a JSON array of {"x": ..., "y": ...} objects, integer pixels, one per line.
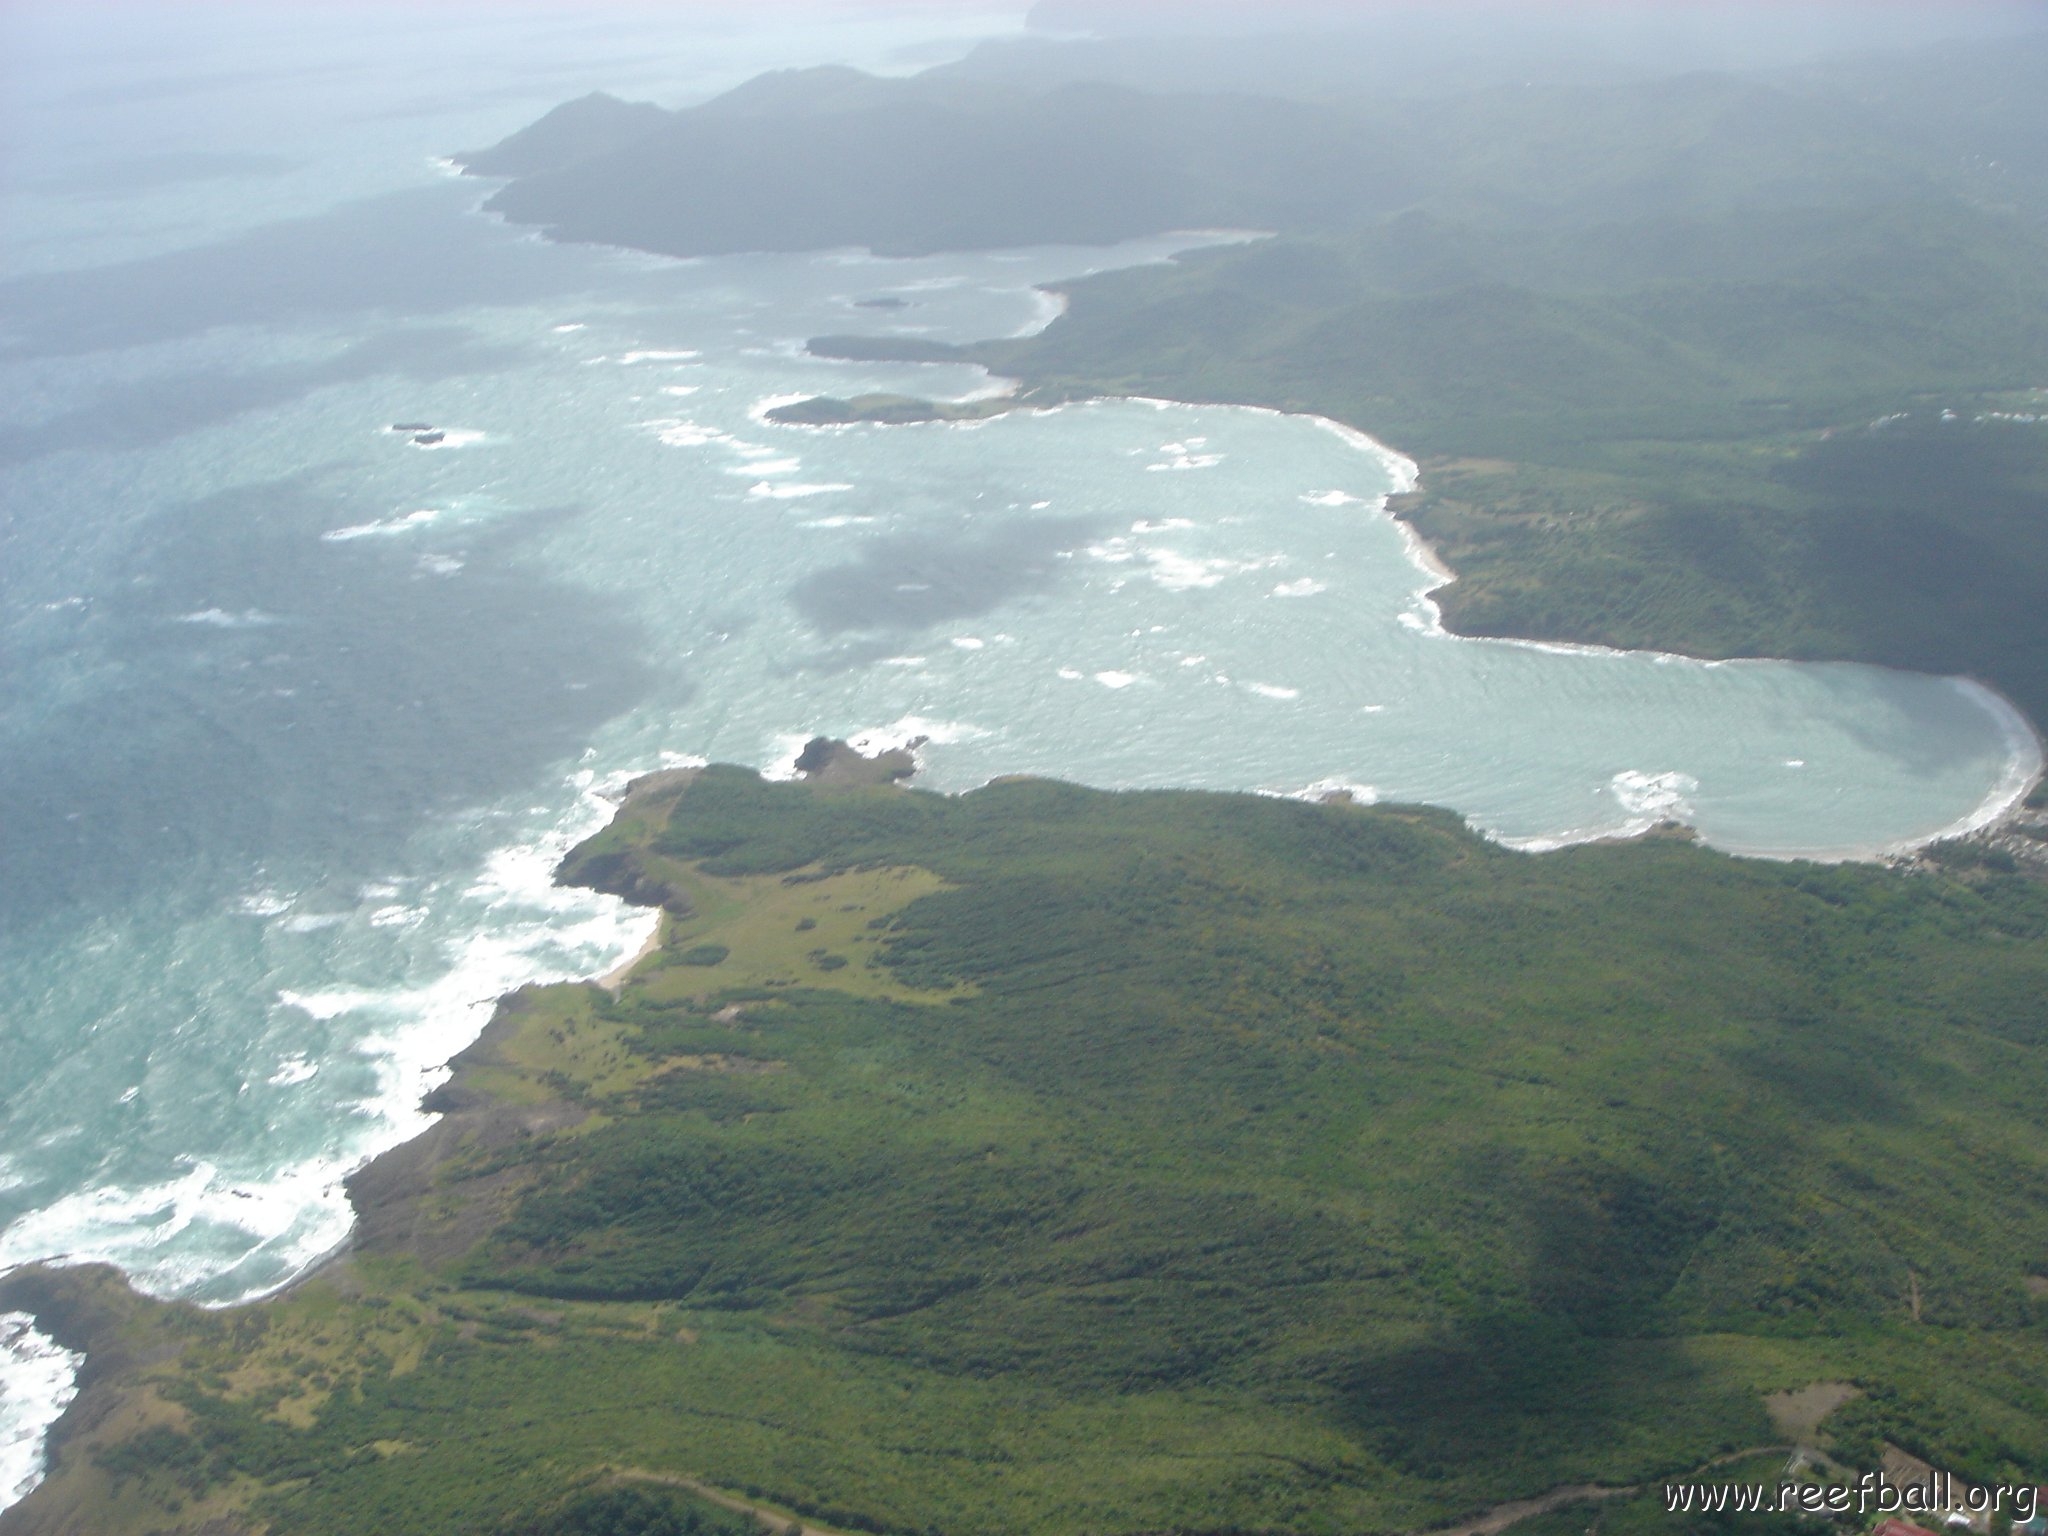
[{"x": 299, "y": 712}]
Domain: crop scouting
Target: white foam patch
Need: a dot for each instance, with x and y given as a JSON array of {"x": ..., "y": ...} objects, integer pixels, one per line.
[
  {"x": 967, "y": 643},
  {"x": 221, "y": 618},
  {"x": 766, "y": 490},
  {"x": 1332, "y": 499},
  {"x": 292, "y": 1071},
  {"x": 1331, "y": 789},
  {"x": 652, "y": 355},
  {"x": 1174, "y": 571},
  {"x": 908, "y": 729},
  {"x": 767, "y": 467},
  {"x": 263, "y": 903},
  {"x": 1188, "y": 461},
  {"x": 1273, "y": 691},
  {"x": 1307, "y": 586},
  {"x": 843, "y": 520},
  {"x": 1401, "y": 469},
  {"x": 509, "y": 926},
  {"x": 677, "y": 433},
  {"x": 564, "y": 330},
  {"x": 1649, "y": 798},
  {"x": 313, "y": 922},
  {"x": 1116, "y": 679},
  {"x": 680, "y": 390},
  {"x": 783, "y": 751},
  {"x": 411, "y": 522},
  {"x": 38, "y": 1380},
  {"x": 440, "y": 565}
]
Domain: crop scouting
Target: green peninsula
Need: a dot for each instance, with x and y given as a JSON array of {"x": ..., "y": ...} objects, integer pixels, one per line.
[{"x": 1042, "y": 1160}]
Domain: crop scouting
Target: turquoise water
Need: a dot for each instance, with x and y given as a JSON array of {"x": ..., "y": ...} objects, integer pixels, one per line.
[{"x": 299, "y": 713}]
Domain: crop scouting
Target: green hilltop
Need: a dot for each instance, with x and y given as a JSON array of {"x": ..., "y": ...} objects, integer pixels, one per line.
[{"x": 1043, "y": 1160}]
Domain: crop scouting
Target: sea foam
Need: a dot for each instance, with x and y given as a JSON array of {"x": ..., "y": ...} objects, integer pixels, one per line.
[{"x": 41, "y": 1379}]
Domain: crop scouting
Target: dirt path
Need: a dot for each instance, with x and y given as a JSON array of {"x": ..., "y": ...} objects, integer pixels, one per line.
[
  {"x": 776, "y": 1520},
  {"x": 1495, "y": 1520},
  {"x": 1501, "y": 1516}
]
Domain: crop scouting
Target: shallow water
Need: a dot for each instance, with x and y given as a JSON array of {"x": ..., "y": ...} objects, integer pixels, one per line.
[{"x": 299, "y": 713}]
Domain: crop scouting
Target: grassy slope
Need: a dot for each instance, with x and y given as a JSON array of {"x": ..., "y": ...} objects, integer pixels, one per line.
[{"x": 1167, "y": 1160}]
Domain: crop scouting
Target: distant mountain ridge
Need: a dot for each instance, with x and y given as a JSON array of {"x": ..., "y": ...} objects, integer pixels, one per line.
[{"x": 972, "y": 156}]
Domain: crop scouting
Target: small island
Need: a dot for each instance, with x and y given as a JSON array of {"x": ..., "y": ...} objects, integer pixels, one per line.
[{"x": 893, "y": 410}]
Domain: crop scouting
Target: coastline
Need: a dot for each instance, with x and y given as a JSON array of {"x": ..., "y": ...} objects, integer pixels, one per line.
[
  {"x": 88, "y": 1310},
  {"x": 122, "y": 1334},
  {"x": 1987, "y": 820},
  {"x": 615, "y": 978},
  {"x": 2002, "y": 809}
]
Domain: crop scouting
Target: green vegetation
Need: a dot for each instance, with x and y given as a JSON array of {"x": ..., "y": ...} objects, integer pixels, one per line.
[
  {"x": 830, "y": 410},
  {"x": 1785, "y": 466},
  {"x": 1152, "y": 1161}
]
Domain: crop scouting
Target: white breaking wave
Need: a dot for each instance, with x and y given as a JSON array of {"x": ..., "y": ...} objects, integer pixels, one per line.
[
  {"x": 1329, "y": 789},
  {"x": 677, "y": 433},
  {"x": 767, "y": 490},
  {"x": 510, "y": 925},
  {"x": 220, "y": 618},
  {"x": 292, "y": 1071},
  {"x": 1653, "y": 797},
  {"x": 1174, "y": 571},
  {"x": 41, "y": 1379},
  {"x": 908, "y": 732},
  {"x": 410, "y": 523}
]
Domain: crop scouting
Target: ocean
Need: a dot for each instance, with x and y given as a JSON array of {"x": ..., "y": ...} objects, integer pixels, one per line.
[{"x": 298, "y": 711}]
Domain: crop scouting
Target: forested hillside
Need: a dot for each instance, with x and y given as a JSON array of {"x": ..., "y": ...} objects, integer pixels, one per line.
[{"x": 1043, "y": 1160}]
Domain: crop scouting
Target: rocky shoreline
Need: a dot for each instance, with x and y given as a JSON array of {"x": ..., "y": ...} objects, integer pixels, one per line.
[{"x": 94, "y": 1310}]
